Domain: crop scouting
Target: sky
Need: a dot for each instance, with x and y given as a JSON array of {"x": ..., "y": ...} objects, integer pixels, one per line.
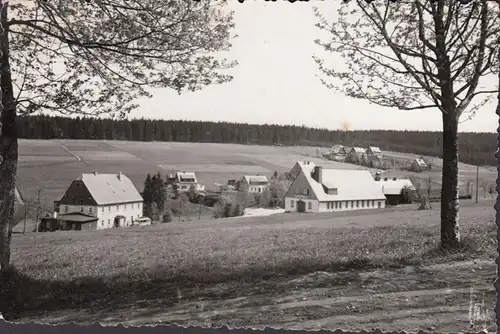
[{"x": 277, "y": 81}]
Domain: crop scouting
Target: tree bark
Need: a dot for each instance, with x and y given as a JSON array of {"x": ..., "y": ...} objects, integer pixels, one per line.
[
  {"x": 450, "y": 234},
  {"x": 8, "y": 147}
]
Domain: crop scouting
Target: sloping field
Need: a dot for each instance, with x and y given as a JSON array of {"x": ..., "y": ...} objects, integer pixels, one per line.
[{"x": 52, "y": 164}]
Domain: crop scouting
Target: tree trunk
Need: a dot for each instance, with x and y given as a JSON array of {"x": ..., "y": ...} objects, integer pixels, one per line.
[
  {"x": 450, "y": 234},
  {"x": 8, "y": 147}
]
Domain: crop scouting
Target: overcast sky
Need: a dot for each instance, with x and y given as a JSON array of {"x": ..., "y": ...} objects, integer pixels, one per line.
[{"x": 276, "y": 81}]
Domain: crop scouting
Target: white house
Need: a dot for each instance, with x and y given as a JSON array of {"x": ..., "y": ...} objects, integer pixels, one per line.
[
  {"x": 356, "y": 154},
  {"x": 337, "y": 153},
  {"x": 323, "y": 190},
  {"x": 254, "y": 183},
  {"x": 186, "y": 180},
  {"x": 418, "y": 165},
  {"x": 111, "y": 198}
]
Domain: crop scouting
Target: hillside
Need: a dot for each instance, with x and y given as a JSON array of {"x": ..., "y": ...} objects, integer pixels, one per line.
[{"x": 475, "y": 148}]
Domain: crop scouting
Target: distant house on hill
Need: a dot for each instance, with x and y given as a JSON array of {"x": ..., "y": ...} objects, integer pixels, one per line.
[
  {"x": 99, "y": 201},
  {"x": 356, "y": 155},
  {"x": 337, "y": 153},
  {"x": 184, "y": 181},
  {"x": 254, "y": 183},
  {"x": 323, "y": 190},
  {"x": 418, "y": 165},
  {"x": 373, "y": 150},
  {"x": 393, "y": 189}
]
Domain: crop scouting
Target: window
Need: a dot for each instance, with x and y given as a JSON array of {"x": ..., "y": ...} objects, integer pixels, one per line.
[
  {"x": 357, "y": 204},
  {"x": 81, "y": 201},
  {"x": 379, "y": 204},
  {"x": 102, "y": 222},
  {"x": 309, "y": 205},
  {"x": 125, "y": 207},
  {"x": 328, "y": 205},
  {"x": 109, "y": 208},
  {"x": 340, "y": 205},
  {"x": 90, "y": 209},
  {"x": 81, "y": 209},
  {"x": 336, "y": 205},
  {"x": 260, "y": 189},
  {"x": 109, "y": 221},
  {"x": 102, "y": 209},
  {"x": 362, "y": 204},
  {"x": 117, "y": 207},
  {"x": 373, "y": 203},
  {"x": 352, "y": 204},
  {"x": 292, "y": 203},
  {"x": 66, "y": 209}
]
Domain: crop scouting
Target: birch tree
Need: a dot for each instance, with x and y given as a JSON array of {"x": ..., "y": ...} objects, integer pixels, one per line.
[
  {"x": 97, "y": 57},
  {"x": 417, "y": 55}
]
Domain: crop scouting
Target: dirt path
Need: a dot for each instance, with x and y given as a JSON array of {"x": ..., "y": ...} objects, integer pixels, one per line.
[{"x": 445, "y": 298}]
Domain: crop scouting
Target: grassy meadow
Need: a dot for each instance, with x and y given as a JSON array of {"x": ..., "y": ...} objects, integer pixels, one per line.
[{"x": 94, "y": 271}]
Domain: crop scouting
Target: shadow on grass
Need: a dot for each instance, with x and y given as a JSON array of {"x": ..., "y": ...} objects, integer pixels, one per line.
[{"x": 21, "y": 296}]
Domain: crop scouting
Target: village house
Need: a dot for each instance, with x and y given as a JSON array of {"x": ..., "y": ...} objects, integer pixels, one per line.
[
  {"x": 393, "y": 189},
  {"x": 418, "y": 165},
  {"x": 99, "y": 201},
  {"x": 254, "y": 183},
  {"x": 374, "y": 150},
  {"x": 19, "y": 206},
  {"x": 184, "y": 181},
  {"x": 326, "y": 190},
  {"x": 356, "y": 155},
  {"x": 337, "y": 153}
]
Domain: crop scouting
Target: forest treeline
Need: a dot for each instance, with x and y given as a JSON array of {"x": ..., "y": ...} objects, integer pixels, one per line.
[{"x": 475, "y": 148}]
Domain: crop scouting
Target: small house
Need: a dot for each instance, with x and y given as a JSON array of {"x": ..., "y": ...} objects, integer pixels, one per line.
[
  {"x": 418, "y": 165},
  {"x": 356, "y": 155},
  {"x": 187, "y": 180},
  {"x": 254, "y": 183},
  {"x": 326, "y": 190},
  {"x": 374, "y": 150},
  {"x": 337, "y": 153}
]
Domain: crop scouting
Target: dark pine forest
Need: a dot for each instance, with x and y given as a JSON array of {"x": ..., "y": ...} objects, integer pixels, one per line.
[{"x": 474, "y": 148}]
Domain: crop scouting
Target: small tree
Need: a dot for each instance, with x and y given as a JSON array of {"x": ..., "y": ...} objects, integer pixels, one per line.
[{"x": 407, "y": 195}]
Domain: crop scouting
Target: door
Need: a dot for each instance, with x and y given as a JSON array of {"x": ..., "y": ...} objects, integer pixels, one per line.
[{"x": 301, "y": 206}]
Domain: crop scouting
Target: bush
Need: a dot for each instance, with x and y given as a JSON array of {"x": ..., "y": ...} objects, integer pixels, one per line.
[{"x": 167, "y": 217}]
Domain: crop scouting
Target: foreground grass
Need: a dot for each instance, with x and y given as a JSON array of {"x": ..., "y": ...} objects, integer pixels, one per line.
[{"x": 64, "y": 270}]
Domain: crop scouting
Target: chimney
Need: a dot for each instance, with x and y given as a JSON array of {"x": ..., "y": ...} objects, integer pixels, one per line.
[
  {"x": 120, "y": 176},
  {"x": 318, "y": 174},
  {"x": 385, "y": 179},
  {"x": 377, "y": 176},
  {"x": 95, "y": 173},
  {"x": 394, "y": 178}
]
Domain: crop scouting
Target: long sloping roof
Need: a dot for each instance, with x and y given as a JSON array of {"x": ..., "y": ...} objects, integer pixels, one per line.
[
  {"x": 110, "y": 188},
  {"x": 394, "y": 187},
  {"x": 185, "y": 175},
  {"x": 351, "y": 184},
  {"x": 255, "y": 178}
]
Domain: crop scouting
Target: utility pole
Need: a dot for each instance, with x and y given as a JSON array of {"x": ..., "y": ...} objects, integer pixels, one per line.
[
  {"x": 38, "y": 208},
  {"x": 477, "y": 182}
]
